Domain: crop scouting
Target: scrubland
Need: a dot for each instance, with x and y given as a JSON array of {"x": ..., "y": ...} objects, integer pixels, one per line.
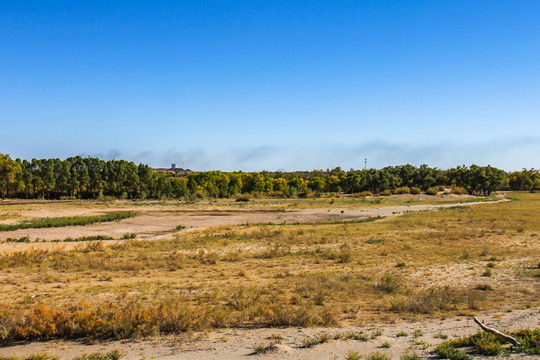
[{"x": 458, "y": 261}]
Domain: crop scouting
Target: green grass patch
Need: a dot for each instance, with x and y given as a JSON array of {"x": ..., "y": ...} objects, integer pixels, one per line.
[
  {"x": 67, "y": 221},
  {"x": 89, "y": 238}
]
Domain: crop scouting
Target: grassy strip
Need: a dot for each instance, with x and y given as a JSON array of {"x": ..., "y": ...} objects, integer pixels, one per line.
[
  {"x": 89, "y": 238},
  {"x": 130, "y": 317},
  {"x": 337, "y": 222},
  {"x": 112, "y": 355},
  {"x": 67, "y": 221}
]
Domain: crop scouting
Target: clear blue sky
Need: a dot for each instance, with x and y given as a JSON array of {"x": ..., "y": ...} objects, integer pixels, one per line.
[{"x": 255, "y": 85}]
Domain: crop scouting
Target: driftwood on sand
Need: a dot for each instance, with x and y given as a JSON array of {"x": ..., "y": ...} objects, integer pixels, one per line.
[{"x": 497, "y": 333}]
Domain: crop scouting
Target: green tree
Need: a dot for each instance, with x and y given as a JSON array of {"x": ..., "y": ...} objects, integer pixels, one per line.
[{"x": 8, "y": 170}]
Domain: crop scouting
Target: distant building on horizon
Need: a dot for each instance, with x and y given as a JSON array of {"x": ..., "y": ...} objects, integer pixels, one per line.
[{"x": 173, "y": 169}]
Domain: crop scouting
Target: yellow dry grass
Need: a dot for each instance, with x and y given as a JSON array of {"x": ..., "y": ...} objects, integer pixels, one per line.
[{"x": 455, "y": 261}]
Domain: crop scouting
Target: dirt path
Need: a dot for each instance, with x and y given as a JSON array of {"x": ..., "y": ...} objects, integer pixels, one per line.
[{"x": 236, "y": 344}]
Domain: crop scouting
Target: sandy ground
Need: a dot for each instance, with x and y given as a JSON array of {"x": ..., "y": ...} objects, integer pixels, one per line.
[
  {"x": 231, "y": 344},
  {"x": 281, "y": 343},
  {"x": 157, "y": 222}
]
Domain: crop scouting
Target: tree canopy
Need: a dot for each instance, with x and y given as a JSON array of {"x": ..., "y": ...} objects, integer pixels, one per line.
[{"x": 92, "y": 178}]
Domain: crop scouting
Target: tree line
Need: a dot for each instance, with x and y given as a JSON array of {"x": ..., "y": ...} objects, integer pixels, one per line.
[{"x": 93, "y": 178}]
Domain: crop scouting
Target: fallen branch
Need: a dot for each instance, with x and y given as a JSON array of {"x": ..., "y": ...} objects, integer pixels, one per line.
[{"x": 498, "y": 334}]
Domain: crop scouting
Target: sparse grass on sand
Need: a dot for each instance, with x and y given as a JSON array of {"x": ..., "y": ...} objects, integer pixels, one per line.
[{"x": 271, "y": 275}]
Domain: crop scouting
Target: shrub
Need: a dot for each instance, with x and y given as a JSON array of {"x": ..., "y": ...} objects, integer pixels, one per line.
[
  {"x": 24, "y": 239},
  {"x": 345, "y": 253},
  {"x": 385, "y": 193},
  {"x": 415, "y": 190},
  {"x": 258, "y": 348},
  {"x": 409, "y": 357},
  {"x": 484, "y": 287},
  {"x": 429, "y": 301},
  {"x": 308, "y": 342},
  {"x": 530, "y": 340},
  {"x": 445, "y": 350},
  {"x": 354, "y": 335},
  {"x": 243, "y": 198},
  {"x": 432, "y": 191},
  {"x": 440, "y": 335},
  {"x": 353, "y": 355},
  {"x": 127, "y": 236},
  {"x": 377, "y": 356},
  {"x": 487, "y": 344},
  {"x": 402, "y": 190},
  {"x": 364, "y": 194},
  {"x": 112, "y": 355},
  {"x": 389, "y": 283},
  {"x": 89, "y": 238},
  {"x": 459, "y": 190}
]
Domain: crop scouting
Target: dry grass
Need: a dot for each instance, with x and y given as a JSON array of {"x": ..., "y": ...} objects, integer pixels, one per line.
[{"x": 270, "y": 275}]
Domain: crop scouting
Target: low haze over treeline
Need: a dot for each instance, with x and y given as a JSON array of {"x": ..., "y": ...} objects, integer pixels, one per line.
[{"x": 92, "y": 178}]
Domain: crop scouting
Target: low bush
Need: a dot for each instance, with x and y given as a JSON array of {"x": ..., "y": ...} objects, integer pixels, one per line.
[
  {"x": 415, "y": 190},
  {"x": 402, "y": 190},
  {"x": 530, "y": 340},
  {"x": 377, "y": 356},
  {"x": 484, "y": 287},
  {"x": 431, "y": 300},
  {"x": 243, "y": 198},
  {"x": 446, "y": 350},
  {"x": 389, "y": 283},
  {"x": 432, "y": 191},
  {"x": 353, "y": 355},
  {"x": 459, "y": 190},
  {"x": 409, "y": 357},
  {"x": 89, "y": 238},
  {"x": 364, "y": 194},
  {"x": 24, "y": 239},
  {"x": 487, "y": 344},
  {"x": 354, "y": 335},
  {"x": 111, "y": 355},
  {"x": 385, "y": 193}
]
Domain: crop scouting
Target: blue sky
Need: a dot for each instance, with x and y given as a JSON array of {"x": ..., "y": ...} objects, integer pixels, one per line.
[{"x": 252, "y": 85}]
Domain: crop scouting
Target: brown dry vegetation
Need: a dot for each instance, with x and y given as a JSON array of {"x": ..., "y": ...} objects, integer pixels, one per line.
[{"x": 418, "y": 264}]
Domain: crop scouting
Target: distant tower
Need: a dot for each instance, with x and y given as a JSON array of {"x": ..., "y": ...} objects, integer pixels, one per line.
[
  {"x": 365, "y": 164},
  {"x": 173, "y": 166}
]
